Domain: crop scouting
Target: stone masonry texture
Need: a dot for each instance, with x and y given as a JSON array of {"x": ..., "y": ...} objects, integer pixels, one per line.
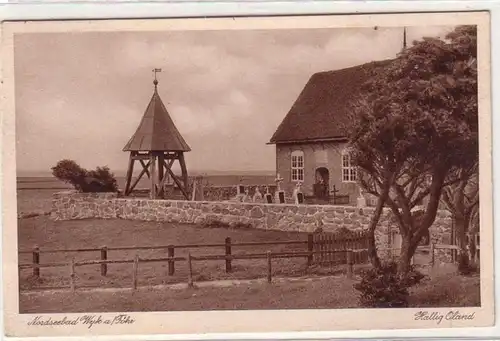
[{"x": 285, "y": 217}]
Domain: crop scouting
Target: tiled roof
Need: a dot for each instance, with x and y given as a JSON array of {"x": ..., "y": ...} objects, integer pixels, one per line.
[
  {"x": 323, "y": 105},
  {"x": 157, "y": 131}
]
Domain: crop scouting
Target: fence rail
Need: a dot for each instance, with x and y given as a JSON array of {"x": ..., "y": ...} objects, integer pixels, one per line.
[
  {"x": 190, "y": 259},
  {"x": 317, "y": 246},
  {"x": 163, "y": 247}
]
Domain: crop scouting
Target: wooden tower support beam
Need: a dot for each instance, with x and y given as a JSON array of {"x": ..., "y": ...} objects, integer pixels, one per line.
[
  {"x": 182, "y": 162},
  {"x": 154, "y": 190},
  {"x": 157, "y": 170}
]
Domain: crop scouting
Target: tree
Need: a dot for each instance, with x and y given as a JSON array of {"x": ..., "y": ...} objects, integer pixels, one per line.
[
  {"x": 412, "y": 130},
  {"x": 462, "y": 200},
  {"x": 99, "y": 180},
  {"x": 70, "y": 172}
]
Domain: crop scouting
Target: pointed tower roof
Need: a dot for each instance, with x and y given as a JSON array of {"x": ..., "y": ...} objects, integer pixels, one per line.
[{"x": 157, "y": 131}]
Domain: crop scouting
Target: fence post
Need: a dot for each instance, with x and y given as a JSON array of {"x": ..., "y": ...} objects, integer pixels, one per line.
[
  {"x": 349, "y": 263},
  {"x": 310, "y": 247},
  {"x": 433, "y": 245},
  {"x": 228, "y": 254},
  {"x": 72, "y": 274},
  {"x": 36, "y": 261},
  {"x": 171, "y": 262},
  {"x": 190, "y": 271},
  {"x": 269, "y": 269},
  {"x": 134, "y": 273},
  {"x": 104, "y": 256}
]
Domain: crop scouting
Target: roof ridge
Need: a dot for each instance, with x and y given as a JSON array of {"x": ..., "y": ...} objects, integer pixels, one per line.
[
  {"x": 359, "y": 66},
  {"x": 323, "y": 104}
]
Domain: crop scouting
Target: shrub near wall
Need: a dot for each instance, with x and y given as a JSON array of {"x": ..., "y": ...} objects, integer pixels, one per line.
[{"x": 285, "y": 217}]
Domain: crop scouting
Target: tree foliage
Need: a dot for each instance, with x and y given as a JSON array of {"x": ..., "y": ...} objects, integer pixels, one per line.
[
  {"x": 414, "y": 126},
  {"x": 99, "y": 180}
]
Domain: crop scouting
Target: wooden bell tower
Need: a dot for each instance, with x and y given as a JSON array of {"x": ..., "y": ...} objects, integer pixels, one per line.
[{"x": 157, "y": 145}]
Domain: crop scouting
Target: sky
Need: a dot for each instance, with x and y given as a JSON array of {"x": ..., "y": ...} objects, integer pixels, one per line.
[{"x": 81, "y": 96}]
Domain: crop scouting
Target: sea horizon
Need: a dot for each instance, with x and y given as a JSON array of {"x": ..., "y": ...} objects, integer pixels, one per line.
[{"x": 122, "y": 173}]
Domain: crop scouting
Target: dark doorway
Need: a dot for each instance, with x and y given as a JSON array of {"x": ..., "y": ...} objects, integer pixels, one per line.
[{"x": 322, "y": 183}]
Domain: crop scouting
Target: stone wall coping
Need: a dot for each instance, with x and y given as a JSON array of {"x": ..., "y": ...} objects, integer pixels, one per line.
[
  {"x": 105, "y": 196},
  {"x": 76, "y": 193},
  {"x": 114, "y": 196}
]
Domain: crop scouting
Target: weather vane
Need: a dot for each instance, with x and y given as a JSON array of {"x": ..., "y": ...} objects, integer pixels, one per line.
[{"x": 155, "y": 71}]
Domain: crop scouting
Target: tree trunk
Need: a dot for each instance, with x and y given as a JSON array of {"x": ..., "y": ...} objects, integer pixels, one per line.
[
  {"x": 414, "y": 233},
  {"x": 461, "y": 230},
  {"x": 408, "y": 249},
  {"x": 404, "y": 256},
  {"x": 372, "y": 249}
]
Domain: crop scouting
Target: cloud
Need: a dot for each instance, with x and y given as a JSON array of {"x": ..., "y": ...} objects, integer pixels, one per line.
[{"x": 82, "y": 95}]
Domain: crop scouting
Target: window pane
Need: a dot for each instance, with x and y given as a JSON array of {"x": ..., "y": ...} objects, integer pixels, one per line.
[
  {"x": 344, "y": 161},
  {"x": 300, "y": 174},
  {"x": 345, "y": 174},
  {"x": 352, "y": 174}
]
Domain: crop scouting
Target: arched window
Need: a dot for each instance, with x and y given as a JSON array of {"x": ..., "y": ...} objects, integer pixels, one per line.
[
  {"x": 297, "y": 165},
  {"x": 349, "y": 171}
]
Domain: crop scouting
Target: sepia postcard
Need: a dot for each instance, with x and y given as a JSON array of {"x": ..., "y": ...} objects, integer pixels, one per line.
[{"x": 247, "y": 175}]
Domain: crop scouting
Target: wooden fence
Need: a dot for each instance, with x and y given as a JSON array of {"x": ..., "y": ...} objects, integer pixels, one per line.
[
  {"x": 318, "y": 249},
  {"x": 432, "y": 250},
  {"x": 333, "y": 246}
]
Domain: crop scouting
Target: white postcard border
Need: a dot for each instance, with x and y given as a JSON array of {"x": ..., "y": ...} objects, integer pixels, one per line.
[{"x": 244, "y": 321}]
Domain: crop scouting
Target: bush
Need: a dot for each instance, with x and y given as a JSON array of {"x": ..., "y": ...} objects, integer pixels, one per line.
[
  {"x": 99, "y": 180},
  {"x": 385, "y": 288},
  {"x": 105, "y": 178}
]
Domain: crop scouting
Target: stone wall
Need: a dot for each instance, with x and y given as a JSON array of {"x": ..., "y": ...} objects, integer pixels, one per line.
[{"x": 286, "y": 217}]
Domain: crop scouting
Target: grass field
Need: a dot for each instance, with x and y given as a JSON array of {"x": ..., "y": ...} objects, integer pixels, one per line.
[
  {"x": 443, "y": 289},
  {"x": 333, "y": 293},
  {"x": 35, "y": 200},
  {"x": 121, "y": 233}
]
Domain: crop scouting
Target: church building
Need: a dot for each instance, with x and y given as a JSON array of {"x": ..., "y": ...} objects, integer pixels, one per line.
[{"x": 311, "y": 142}]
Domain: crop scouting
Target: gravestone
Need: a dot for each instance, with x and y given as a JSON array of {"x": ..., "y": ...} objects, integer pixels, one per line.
[
  {"x": 240, "y": 190},
  {"x": 298, "y": 196},
  {"x": 361, "y": 201},
  {"x": 268, "y": 197},
  {"x": 280, "y": 194},
  {"x": 246, "y": 196},
  {"x": 257, "y": 197},
  {"x": 281, "y": 197}
]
